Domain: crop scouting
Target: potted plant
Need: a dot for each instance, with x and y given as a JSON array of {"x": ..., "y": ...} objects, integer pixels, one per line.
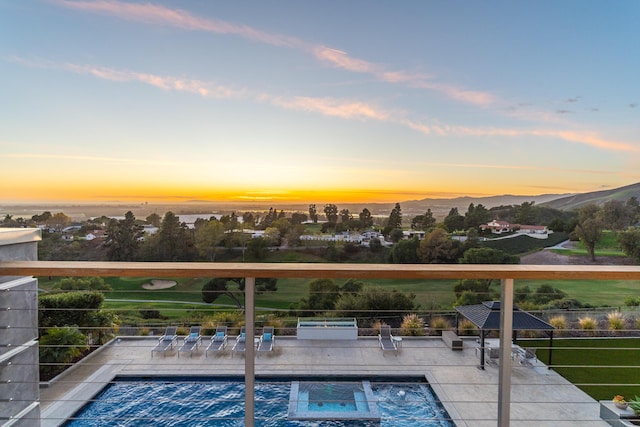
[{"x": 619, "y": 402}]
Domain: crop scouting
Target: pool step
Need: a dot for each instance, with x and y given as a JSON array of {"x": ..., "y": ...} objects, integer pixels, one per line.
[
  {"x": 303, "y": 401},
  {"x": 361, "y": 401}
]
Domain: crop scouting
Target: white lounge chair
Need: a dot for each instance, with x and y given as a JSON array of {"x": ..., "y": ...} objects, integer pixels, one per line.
[
  {"x": 241, "y": 342},
  {"x": 218, "y": 341},
  {"x": 191, "y": 342},
  {"x": 492, "y": 355},
  {"x": 528, "y": 357},
  {"x": 166, "y": 341},
  {"x": 267, "y": 340},
  {"x": 385, "y": 339}
]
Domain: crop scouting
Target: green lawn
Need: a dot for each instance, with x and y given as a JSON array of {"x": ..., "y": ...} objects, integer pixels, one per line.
[
  {"x": 597, "y": 366},
  {"x": 429, "y": 293},
  {"x": 598, "y": 293},
  {"x": 607, "y": 246}
]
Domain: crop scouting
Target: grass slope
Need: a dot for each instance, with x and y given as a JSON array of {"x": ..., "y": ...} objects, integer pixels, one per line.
[{"x": 602, "y": 367}]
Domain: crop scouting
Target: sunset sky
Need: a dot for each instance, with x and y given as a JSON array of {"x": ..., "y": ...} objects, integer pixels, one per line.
[{"x": 316, "y": 101}]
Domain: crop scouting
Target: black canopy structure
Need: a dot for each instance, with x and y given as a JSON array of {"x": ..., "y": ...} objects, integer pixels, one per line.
[{"x": 486, "y": 317}]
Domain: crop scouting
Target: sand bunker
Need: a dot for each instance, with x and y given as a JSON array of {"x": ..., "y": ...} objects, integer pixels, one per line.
[{"x": 159, "y": 284}]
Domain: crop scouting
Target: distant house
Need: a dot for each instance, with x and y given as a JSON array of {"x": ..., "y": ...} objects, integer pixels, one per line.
[
  {"x": 408, "y": 235},
  {"x": 362, "y": 239},
  {"x": 532, "y": 229},
  {"x": 149, "y": 229},
  {"x": 499, "y": 227},
  {"x": 95, "y": 234}
]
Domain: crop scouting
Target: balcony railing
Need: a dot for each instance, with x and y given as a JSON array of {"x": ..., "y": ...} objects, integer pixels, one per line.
[{"x": 507, "y": 274}]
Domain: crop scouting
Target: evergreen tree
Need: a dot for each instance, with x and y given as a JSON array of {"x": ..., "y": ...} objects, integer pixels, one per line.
[
  {"x": 395, "y": 220},
  {"x": 424, "y": 222},
  {"x": 123, "y": 238},
  {"x": 366, "y": 220},
  {"x": 313, "y": 213},
  {"x": 331, "y": 212},
  {"x": 454, "y": 221}
]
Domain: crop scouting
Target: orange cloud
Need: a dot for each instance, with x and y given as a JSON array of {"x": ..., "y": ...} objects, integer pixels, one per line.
[
  {"x": 585, "y": 138},
  {"x": 593, "y": 140}
]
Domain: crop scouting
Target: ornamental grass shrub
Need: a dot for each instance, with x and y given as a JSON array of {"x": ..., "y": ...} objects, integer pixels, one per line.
[
  {"x": 412, "y": 325},
  {"x": 588, "y": 324},
  {"x": 182, "y": 330},
  {"x": 615, "y": 321},
  {"x": 375, "y": 327},
  {"x": 439, "y": 324},
  {"x": 276, "y": 322},
  {"x": 230, "y": 319},
  {"x": 466, "y": 327},
  {"x": 560, "y": 323}
]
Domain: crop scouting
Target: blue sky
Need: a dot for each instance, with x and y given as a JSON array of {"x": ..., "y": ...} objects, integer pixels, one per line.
[{"x": 316, "y": 101}]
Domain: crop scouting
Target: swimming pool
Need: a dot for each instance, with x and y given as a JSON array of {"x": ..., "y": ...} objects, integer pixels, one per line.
[{"x": 184, "y": 401}]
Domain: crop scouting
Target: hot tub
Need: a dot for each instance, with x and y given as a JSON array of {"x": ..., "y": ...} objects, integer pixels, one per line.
[{"x": 332, "y": 401}]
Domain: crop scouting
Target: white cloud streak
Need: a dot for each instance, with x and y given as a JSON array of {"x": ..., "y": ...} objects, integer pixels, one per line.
[
  {"x": 334, "y": 107},
  {"x": 160, "y": 15}
]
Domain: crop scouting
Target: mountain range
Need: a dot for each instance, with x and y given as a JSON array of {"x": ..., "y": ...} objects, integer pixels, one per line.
[
  {"x": 567, "y": 202},
  {"x": 576, "y": 201}
]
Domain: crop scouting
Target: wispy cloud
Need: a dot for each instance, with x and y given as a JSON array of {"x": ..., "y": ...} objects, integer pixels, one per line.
[
  {"x": 586, "y": 138},
  {"x": 154, "y": 14},
  {"x": 160, "y": 15},
  {"x": 592, "y": 139},
  {"x": 340, "y": 59},
  {"x": 334, "y": 107},
  {"x": 168, "y": 83}
]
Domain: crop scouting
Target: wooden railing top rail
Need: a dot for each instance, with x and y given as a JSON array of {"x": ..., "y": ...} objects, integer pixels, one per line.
[{"x": 319, "y": 270}]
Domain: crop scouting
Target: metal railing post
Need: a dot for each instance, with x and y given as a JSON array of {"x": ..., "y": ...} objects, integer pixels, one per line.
[
  {"x": 249, "y": 359},
  {"x": 506, "y": 332}
]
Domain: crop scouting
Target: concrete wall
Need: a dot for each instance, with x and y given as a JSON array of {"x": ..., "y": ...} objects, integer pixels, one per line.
[
  {"x": 19, "y": 378},
  {"x": 19, "y": 244}
]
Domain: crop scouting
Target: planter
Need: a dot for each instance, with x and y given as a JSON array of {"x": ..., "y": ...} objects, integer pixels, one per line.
[{"x": 327, "y": 329}]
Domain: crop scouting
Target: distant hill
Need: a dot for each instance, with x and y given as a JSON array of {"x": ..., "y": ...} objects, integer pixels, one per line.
[
  {"x": 441, "y": 207},
  {"x": 599, "y": 198}
]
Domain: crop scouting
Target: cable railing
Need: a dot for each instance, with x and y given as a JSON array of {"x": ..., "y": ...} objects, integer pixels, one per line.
[{"x": 505, "y": 391}]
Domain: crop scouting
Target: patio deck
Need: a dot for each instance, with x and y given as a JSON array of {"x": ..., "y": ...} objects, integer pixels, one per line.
[{"x": 540, "y": 397}]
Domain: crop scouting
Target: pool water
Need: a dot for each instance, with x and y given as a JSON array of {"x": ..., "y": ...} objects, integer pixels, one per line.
[{"x": 220, "y": 402}]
